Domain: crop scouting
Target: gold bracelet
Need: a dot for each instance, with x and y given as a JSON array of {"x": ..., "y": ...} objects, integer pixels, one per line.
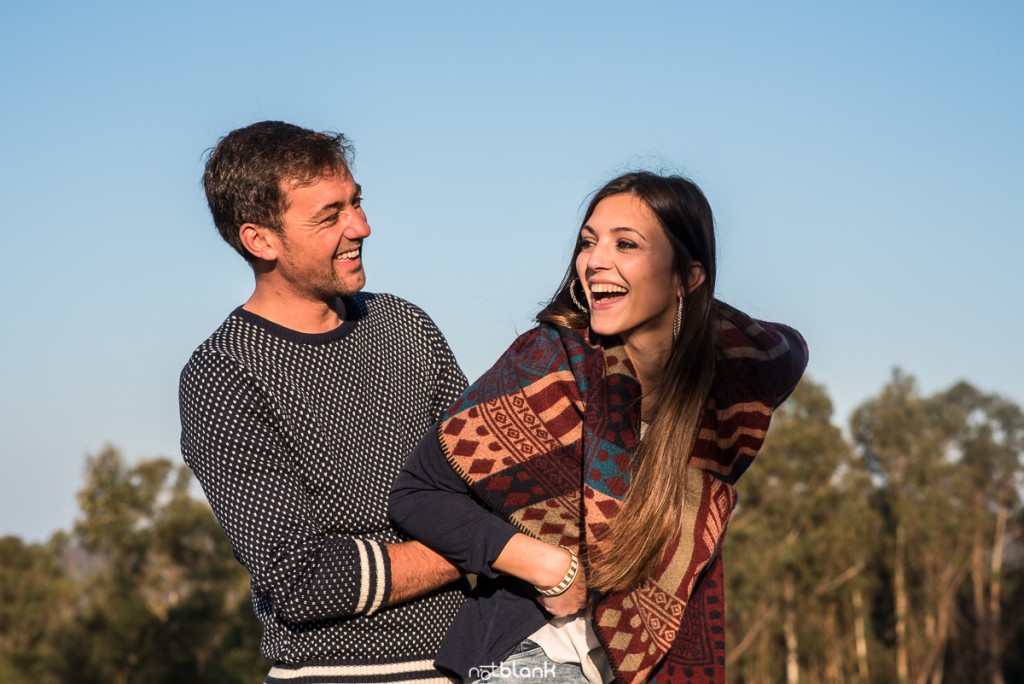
[{"x": 570, "y": 576}]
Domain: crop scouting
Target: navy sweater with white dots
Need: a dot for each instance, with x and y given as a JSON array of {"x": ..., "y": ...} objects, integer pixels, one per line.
[{"x": 295, "y": 439}]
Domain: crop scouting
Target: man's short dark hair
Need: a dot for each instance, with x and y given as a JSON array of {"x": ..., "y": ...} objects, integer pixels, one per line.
[{"x": 245, "y": 171}]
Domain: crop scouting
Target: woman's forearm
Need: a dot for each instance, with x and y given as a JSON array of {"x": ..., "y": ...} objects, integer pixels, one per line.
[
  {"x": 430, "y": 502},
  {"x": 545, "y": 566},
  {"x": 534, "y": 561}
]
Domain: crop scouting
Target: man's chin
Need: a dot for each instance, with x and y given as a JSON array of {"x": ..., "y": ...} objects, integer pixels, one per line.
[
  {"x": 330, "y": 294},
  {"x": 350, "y": 287},
  {"x": 350, "y": 282},
  {"x": 358, "y": 284}
]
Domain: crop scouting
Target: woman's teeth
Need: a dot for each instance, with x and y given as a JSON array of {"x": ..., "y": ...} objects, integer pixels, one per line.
[{"x": 600, "y": 290}]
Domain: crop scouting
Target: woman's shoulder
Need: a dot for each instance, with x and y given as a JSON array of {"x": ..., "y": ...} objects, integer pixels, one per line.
[
  {"x": 546, "y": 349},
  {"x": 764, "y": 360},
  {"x": 546, "y": 335},
  {"x": 572, "y": 344}
]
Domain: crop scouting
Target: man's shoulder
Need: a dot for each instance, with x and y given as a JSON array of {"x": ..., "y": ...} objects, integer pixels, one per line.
[
  {"x": 228, "y": 331},
  {"x": 230, "y": 343},
  {"x": 374, "y": 304},
  {"x": 387, "y": 311}
]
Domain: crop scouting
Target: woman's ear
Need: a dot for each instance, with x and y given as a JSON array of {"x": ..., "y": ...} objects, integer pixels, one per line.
[
  {"x": 259, "y": 241},
  {"x": 695, "y": 277}
]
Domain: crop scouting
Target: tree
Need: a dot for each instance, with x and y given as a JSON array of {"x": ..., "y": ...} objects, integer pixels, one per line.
[
  {"x": 35, "y": 598},
  {"x": 935, "y": 458},
  {"x": 796, "y": 549},
  {"x": 990, "y": 441},
  {"x": 165, "y": 600}
]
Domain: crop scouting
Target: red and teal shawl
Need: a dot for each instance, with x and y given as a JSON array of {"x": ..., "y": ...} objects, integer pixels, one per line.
[{"x": 546, "y": 436}]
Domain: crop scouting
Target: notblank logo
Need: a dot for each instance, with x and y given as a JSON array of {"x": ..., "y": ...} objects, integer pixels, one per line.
[{"x": 512, "y": 671}]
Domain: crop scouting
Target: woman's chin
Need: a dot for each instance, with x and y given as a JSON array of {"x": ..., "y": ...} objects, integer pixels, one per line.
[{"x": 605, "y": 330}]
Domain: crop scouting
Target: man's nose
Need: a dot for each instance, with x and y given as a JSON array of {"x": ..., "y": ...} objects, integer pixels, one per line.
[{"x": 358, "y": 228}]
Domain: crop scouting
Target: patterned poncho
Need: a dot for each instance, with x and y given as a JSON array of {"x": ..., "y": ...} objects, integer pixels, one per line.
[{"x": 545, "y": 439}]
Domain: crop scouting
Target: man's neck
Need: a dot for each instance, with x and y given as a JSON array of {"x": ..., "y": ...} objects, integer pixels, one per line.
[{"x": 293, "y": 312}]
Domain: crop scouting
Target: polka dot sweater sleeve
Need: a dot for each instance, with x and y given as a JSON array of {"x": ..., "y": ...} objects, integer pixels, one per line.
[
  {"x": 447, "y": 378},
  {"x": 234, "y": 440}
]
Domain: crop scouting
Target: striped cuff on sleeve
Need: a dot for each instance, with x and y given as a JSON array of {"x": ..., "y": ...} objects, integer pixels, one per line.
[{"x": 375, "y": 578}]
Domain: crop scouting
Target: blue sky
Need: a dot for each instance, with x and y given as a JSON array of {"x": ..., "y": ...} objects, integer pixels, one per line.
[{"x": 864, "y": 161}]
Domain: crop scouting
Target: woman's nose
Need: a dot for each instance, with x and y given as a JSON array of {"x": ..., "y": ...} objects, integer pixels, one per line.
[{"x": 598, "y": 258}]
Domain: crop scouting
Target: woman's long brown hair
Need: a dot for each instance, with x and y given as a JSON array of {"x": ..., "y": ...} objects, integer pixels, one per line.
[{"x": 652, "y": 512}]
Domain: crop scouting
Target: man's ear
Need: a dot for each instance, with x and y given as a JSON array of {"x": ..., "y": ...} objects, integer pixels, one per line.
[
  {"x": 695, "y": 277},
  {"x": 260, "y": 241}
]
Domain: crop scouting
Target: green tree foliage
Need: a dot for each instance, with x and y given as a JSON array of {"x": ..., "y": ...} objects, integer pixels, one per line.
[
  {"x": 909, "y": 442},
  {"x": 796, "y": 547},
  {"x": 156, "y": 595},
  {"x": 948, "y": 468},
  {"x": 989, "y": 440},
  {"x": 35, "y": 599},
  {"x": 894, "y": 557}
]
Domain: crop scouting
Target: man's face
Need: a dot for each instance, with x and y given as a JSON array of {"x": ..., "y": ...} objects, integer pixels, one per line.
[{"x": 323, "y": 231}]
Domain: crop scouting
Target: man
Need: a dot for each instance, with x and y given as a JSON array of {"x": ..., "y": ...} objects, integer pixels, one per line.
[{"x": 298, "y": 412}]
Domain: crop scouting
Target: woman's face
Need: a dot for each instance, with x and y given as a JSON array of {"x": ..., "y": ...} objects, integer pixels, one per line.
[{"x": 626, "y": 267}]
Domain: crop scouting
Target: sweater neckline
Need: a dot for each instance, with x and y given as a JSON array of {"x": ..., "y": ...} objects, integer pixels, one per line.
[{"x": 344, "y": 307}]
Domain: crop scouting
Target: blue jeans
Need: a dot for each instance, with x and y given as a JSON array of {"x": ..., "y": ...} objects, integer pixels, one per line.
[{"x": 528, "y": 664}]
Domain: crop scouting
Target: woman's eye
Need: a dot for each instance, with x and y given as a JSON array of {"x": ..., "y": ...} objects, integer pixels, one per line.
[
  {"x": 626, "y": 244},
  {"x": 586, "y": 243}
]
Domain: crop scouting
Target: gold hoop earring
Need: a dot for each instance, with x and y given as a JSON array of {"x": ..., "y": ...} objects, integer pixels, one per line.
[
  {"x": 677, "y": 326},
  {"x": 572, "y": 295}
]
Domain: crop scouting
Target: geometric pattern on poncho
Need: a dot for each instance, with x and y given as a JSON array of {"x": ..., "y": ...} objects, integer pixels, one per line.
[{"x": 545, "y": 439}]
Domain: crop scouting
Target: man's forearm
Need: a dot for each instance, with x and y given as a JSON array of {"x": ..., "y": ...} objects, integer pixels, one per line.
[{"x": 416, "y": 570}]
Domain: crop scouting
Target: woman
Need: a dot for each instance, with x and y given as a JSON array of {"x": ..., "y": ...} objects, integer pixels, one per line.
[{"x": 587, "y": 477}]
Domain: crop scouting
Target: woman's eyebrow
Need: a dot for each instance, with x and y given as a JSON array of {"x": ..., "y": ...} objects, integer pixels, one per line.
[
  {"x": 616, "y": 230},
  {"x": 627, "y": 229}
]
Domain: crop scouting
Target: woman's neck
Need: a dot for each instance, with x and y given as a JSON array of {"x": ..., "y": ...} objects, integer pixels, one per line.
[{"x": 649, "y": 362}]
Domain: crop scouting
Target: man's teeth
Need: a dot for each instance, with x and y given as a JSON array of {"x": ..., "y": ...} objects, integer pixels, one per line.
[{"x": 354, "y": 254}]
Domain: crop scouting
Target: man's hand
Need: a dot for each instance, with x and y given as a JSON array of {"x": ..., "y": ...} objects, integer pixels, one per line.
[{"x": 416, "y": 570}]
